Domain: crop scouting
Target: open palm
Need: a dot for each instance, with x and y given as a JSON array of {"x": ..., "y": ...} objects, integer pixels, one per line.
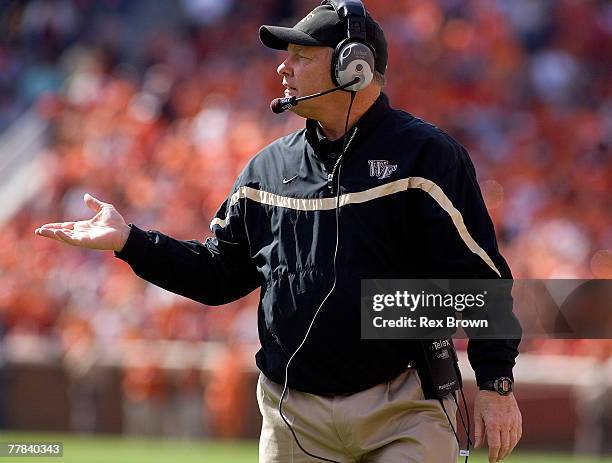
[{"x": 106, "y": 230}]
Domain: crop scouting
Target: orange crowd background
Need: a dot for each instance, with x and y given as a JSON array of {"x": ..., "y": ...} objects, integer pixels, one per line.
[{"x": 156, "y": 107}]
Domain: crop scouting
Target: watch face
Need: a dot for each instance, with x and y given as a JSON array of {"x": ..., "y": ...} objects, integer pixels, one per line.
[{"x": 504, "y": 386}]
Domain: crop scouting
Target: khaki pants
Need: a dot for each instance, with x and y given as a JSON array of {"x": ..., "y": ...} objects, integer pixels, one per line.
[{"x": 388, "y": 423}]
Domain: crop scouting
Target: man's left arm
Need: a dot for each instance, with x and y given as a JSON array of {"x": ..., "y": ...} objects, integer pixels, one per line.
[{"x": 460, "y": 243}]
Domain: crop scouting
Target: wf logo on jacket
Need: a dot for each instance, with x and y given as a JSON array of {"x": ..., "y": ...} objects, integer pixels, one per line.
[{"x": 380, "y": 168}]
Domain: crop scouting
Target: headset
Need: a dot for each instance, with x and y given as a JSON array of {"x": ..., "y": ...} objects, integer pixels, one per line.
[
  {"x": 354, "y": 56},
  {"x": 353, "y": 60}
]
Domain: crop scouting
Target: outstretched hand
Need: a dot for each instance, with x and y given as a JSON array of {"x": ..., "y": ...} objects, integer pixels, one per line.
[{"x": 106, "y": 230}]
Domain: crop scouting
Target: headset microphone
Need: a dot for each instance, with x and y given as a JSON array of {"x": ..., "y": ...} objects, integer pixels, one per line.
[{"x": 280, "y": 105}]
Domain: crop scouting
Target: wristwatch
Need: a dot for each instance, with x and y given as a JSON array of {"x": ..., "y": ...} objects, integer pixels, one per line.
[{"x": 503, "y": 385}]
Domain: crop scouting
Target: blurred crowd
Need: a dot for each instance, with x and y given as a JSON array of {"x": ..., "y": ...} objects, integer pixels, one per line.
[{"x": 156, "y": 107}]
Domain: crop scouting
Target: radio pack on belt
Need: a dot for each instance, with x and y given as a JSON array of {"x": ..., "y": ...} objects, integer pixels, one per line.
[{"x": 438, "y": 368}]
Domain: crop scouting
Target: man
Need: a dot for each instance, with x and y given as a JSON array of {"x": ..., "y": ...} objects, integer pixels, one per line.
[{"x": 409, "y": 207}]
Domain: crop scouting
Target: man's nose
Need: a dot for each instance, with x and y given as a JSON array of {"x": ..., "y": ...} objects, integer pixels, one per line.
[{"x": 283, "y": 69}]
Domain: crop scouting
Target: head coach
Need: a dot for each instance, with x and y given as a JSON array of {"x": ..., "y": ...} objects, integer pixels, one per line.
[{"x": 363, "y": 191}]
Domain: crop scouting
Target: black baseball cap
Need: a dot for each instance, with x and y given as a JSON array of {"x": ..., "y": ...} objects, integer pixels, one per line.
[{"x": 323, "y": 27}]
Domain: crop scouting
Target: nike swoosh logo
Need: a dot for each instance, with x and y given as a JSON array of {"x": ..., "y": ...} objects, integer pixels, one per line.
[{"x": 287, "y": 180}]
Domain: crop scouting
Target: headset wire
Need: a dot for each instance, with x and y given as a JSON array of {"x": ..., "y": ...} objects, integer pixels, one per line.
[{"x": 285, "y": 388}]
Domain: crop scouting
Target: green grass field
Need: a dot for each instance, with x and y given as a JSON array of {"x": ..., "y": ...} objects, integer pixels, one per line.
[{"x": 97, "y": 449}]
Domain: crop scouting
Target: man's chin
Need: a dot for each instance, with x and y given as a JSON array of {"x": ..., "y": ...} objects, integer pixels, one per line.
[{"x": 300, "y": 111}]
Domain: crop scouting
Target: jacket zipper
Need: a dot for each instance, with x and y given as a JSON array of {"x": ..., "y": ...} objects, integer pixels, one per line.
[{"x": 330, "y": 177}]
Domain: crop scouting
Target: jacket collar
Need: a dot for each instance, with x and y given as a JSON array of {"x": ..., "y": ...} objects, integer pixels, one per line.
[{"x": 365, "y": 124}]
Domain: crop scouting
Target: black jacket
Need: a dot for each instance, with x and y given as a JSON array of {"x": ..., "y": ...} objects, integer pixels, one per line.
[{"x": 416, "y": 212}]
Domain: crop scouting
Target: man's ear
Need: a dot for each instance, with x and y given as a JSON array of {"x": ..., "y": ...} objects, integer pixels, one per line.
[{"x": 330, "y": 55}]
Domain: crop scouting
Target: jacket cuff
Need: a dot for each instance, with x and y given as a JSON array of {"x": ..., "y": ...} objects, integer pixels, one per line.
[
  {"x": 134, "y": 246},
  {"x": 492, "y": 372}
]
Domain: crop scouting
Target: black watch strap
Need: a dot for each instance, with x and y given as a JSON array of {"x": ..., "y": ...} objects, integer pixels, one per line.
[{"x": 503, "y": 385}]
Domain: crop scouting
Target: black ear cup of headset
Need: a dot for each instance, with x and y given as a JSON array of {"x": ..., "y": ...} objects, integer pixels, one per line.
[{"x": 354, "y": 56}]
